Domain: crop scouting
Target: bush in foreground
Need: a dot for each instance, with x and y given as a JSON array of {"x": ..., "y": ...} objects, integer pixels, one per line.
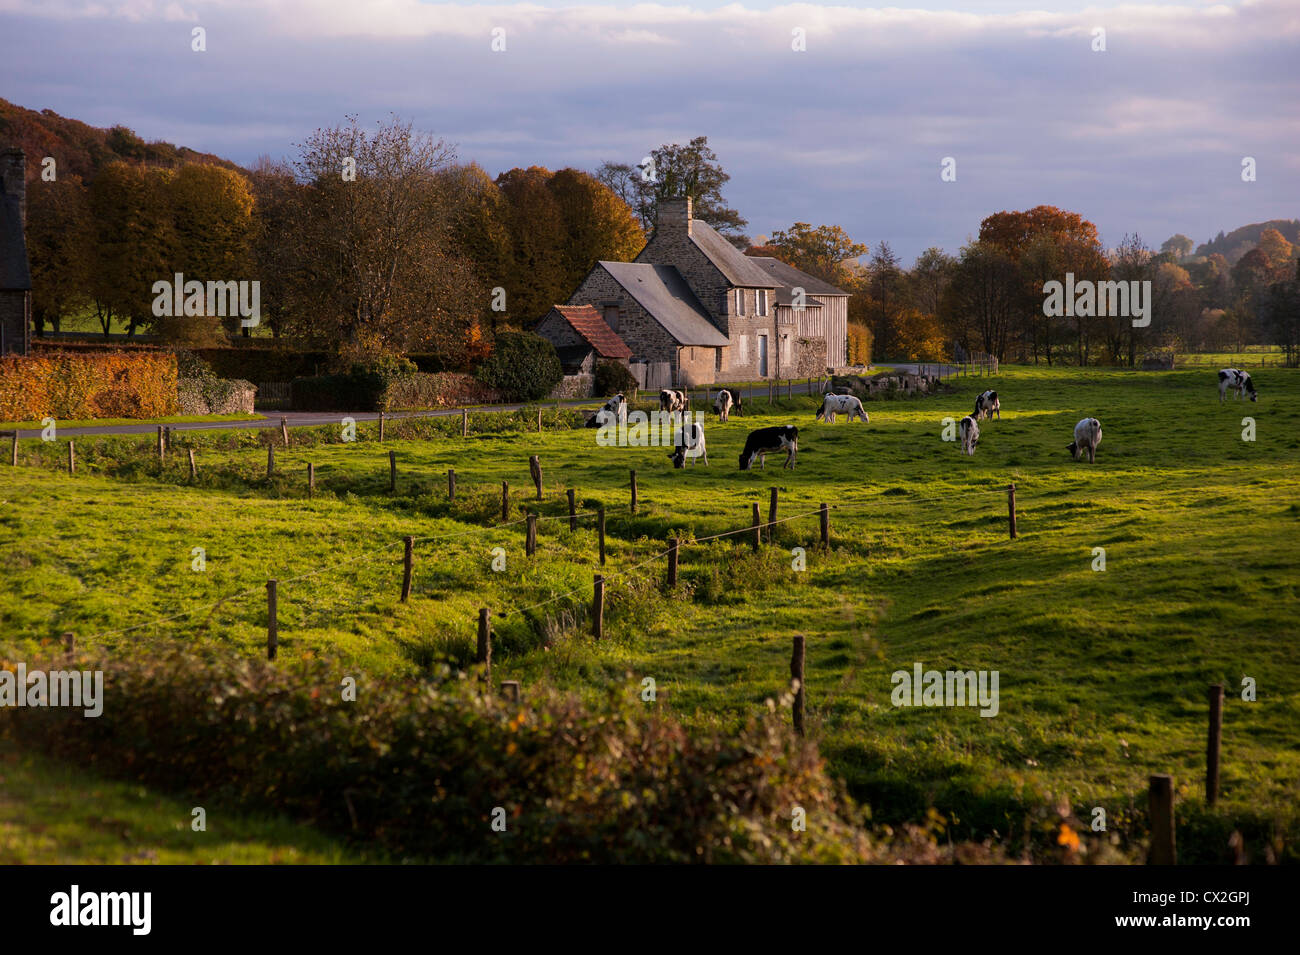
[{"x": 419, "y": 768}]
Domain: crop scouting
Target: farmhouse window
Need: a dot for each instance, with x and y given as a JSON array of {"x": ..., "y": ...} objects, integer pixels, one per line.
[
  {"x": 740, "y": 301},
  {"x": 762, "y": 301},
  {"x": 717, "y": 359},
  {"x": 611, "y": 316}
]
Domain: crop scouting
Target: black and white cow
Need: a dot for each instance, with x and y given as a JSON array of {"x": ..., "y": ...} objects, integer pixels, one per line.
[
  {"x": 1087, "y": 435},
  {"x": 767, "y": 441},
  {"x": 689, "y": 442},
  {"x": 969, "y": 434},
  {"x": 1239, "y": 381},
  {"x": 841, "y": 404},
  {"x": 736, "y": 404},
  {"x": 613, "y": 411},
  {"x": 670, "y": 400},
  {"x": 722, "y": 404},
  {"x": 987, "y": 405}
]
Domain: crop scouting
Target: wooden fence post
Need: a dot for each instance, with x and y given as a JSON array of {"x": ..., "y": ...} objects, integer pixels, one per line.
[
  {"x": 162, "y": 448},
  {"x": 600, "y": 531},
  {"x": 535, "y": 469},
  {"x": 1160, "y": 806},
  {"x": 392, "y": 471},
  {"x": 72, "y": 458},
  {"x": 797, "y": 678},
  {"x": 451, "y": 484},
  {"x": 1212, "y": 744},
  {"x": 311, "y": 479},
  {"x": 270, "y": 461},
  {"x": 769, "y": 391},
  {"x": 193, "y": 467},
  {"x": 771, "y": 515},
  {"x": 69, "y": 643},
  {"x": 672, "y": 562},
  {"x": 284, "y": 431},
  {"x": 573, "y": 509},
  {"x": 510, "y": 690},
  {"x": 464, "y": 422},
  {"x": 484, "y": 650},
  {"x": 758, "y": 528},
  {"x": 530, "y": 538},
  {"x": 408, "y": 558},
  {"x": 381, "y": 428},
  {"x": 539, "y": 431},
  {"x": 14, "y": 449},
  {"x": 598, "y": 608},
  {"x": 505, "y": 501},
  {"x": 1011, "y": 510},
  {"x": 272, "y": 619},
  {"x": 826, "y": 525},
  {"x": 633, "y": 492}
]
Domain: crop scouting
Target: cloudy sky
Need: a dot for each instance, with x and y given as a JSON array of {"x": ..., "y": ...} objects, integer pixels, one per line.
[{"x": 1147, "y": 136}]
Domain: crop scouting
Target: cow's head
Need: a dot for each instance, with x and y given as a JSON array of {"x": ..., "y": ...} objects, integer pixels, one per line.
[
  {"x": 678, "y": 457},
  {"x": 745, "y": 461},
  {"x": 1073, "y": 448}
]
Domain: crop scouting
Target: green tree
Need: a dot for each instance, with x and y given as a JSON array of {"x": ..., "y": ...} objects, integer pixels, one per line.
[
  {"x": 59, "y": 248},
  {"x": 823, "y": 251}
]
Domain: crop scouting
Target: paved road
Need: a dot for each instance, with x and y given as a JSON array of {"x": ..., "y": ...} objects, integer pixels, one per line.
[{"x": 303, "y": 419}]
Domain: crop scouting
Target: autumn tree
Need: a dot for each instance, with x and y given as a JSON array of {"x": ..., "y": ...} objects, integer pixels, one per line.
[
  {"x": 371, "y": 268},
  {"x": 59, "y": 248},
  {"x": 1178, "y": 245},
  {"x": 676, "y": 171},
  {"x": 823, "y": 251},
  {"x": 979, "y": 303},
  {"x": 133, "y": 238}
]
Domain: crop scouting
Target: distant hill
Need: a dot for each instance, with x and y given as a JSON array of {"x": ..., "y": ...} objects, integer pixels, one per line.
[
  {"x": 80, "y": 149},
  {"x": 1240, "y": 241}
]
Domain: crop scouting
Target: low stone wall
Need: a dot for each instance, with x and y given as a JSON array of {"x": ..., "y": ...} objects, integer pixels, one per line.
[
  {"x": 574, "y": 386},
  {"x": 199, "y": 396}
]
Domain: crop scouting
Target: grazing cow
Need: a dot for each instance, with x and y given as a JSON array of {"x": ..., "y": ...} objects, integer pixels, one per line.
[
  {"x": 1087, "y": 435},
  {"x": 969, "y": 433},
  {"x": 613, "y": 411},
  {"x": 670, "y": 400},
  {"x": 722, "y": 404},
  {"x": 689, "y": 442},
  {"x": 987, "y": 405},
  {"x": 1239, "y": 381},
  {"x": 767, "y": 441},
  {"x": 736, "y": 405},
  {"x": 840, "y": 404}
]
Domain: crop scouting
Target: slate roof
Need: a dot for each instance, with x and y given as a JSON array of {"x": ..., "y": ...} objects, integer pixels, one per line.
[
  {"x": 588, "y": 323},
  {"x": 661, "y": 291},
  {"x": 738, "y": 268},
  {"x": 790, "y": 277},
  {"x": 14, "y": 275}
]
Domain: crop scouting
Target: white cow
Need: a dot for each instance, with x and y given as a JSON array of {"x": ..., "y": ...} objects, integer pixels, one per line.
[
  {"x": 987, "y": 405},
  {"x": 969, "y": 432},
  {"x": 722, "y": 404},
  {"x": 670, "y": 400},
  {"x": 688, "y": 442},
  {"x": 1239, "y": 381},
  {"x": 1087, "y": 435},
  {"x": 840, "y": 404}
]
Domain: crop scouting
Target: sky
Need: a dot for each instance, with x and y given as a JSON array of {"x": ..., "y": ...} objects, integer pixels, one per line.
[{"x": 1146, "y": 136}]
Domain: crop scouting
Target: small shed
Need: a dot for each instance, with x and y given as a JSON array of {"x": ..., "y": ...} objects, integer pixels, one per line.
[{"x": 582, "y": 338}]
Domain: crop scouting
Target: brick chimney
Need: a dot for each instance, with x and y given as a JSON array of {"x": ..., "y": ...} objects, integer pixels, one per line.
[
  {"x": 13, "y": 173},
  {"x": 674, "y": 215}
]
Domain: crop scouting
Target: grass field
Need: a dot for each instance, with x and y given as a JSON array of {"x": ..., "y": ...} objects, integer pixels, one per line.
[{"x": 1103, "y": 674}]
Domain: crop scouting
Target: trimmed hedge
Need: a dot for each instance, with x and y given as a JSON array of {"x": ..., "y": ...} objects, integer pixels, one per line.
[
  {"x": 614, "y": 378},
  {"x": 76, "y": 384},
  {"x": 423, "y": 392},
  {"x": 522, "y": 366}
]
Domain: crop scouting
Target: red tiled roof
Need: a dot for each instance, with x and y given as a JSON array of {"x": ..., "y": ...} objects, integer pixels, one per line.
[{"x": 587, "y": 322}]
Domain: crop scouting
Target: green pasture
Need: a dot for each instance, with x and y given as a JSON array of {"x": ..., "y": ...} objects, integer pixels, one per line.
[{"x": 1103, "y": 674}]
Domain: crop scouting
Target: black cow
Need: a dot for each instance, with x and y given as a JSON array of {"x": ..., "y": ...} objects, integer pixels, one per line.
[{"x": 766, "y": 441}]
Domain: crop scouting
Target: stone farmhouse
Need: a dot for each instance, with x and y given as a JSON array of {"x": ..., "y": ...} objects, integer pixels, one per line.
[
  {"x": 694, "y": 310},
  {"x": 15, "y": 277}
]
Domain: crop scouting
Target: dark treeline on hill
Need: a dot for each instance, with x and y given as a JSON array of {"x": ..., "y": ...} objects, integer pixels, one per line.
[{"x": 382, "y": 242}]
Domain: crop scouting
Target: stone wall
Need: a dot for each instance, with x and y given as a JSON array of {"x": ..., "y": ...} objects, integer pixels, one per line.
[{"x": 574, "y": 386}]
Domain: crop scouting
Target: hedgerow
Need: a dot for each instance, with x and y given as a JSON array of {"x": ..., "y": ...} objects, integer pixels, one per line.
[{"x": 111, "y": 384}]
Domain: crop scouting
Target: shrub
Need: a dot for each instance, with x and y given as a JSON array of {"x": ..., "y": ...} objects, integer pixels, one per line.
[
  {"x": 86, "y": 384},
  {"x": 612, "y": 378},
  {"x": 522, "y": 366},
  {"x": 443, "y": 390},
  {"x": 407, "y": 765}
]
